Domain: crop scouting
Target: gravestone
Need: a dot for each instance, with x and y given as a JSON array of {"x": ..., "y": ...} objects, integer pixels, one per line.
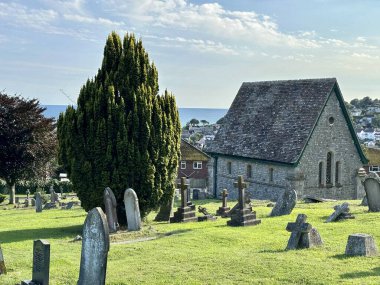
[
  {"x": 185, "y": 213},
  {"x": 285, "y": 203},
  {"x": 32, "y": 202},
  {"x": 303, "y": 235},
  {"x": 372, "y": 189},
  {"x": 41, "y": 263},
  {"x": 206, "y": 215},
  {"x": 222, "y": 211},
  {"x": 364, "y": 201},
  {"x": 110, "y": 205},
  {"x": 242, "y": 216},
  {"x": 341, "y": 212},
  {"x": 38, "y": 202},
  {"x": 69, "y": 205},
  {"x": 3, "y": 269},
  {"x": 165, "y": 211},
  {"x": 361, "y": 244},
  {"x": 95, "y": 247},
  {"x": 50, "y": 205},
  {"x": 132, "y": 210},
  {"x": 17, "y": 200},
  {"x": 52, "y": 194}
]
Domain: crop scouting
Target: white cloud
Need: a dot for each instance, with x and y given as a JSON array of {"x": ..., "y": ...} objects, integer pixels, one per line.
[{"x": 92, "y": 20}]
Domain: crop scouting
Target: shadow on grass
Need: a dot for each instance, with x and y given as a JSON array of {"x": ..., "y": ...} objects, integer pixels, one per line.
[
  {"x": 176, "y": 232},
  {"x": 272, "y": 251},
  {"x": 375, "y": 272},
  {"x": 44, "y": 233}
]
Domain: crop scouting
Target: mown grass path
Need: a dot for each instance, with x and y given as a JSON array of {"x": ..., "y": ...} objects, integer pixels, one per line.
[{"x": 197, "y": 253}]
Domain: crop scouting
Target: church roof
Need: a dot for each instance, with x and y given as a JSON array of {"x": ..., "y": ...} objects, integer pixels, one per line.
[{"x": 273, "y": 120}]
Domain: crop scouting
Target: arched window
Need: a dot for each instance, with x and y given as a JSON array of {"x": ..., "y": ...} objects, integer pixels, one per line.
[
  {"x": 329, "y": 169},
  {"x": 320, "y": 173},
  {"x": 249, "y": 171},
  {"x": 337, "y": 173},
  {"x": 271, "y": 174},
  {"x": 229, "y": 167}
]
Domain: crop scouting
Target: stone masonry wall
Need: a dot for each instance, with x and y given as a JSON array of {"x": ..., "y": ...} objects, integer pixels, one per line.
[
  {"x": 259, "y": 186},
  {"x": 336, "y": 138}
]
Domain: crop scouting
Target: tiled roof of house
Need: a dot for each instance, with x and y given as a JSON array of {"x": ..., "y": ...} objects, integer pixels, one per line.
[
  {"x": 190, "y": 152},
  {"x": 373, "y": 155},
  {"x": 272, "y": 120}
]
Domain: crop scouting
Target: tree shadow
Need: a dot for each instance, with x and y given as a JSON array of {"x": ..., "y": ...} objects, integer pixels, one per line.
[
  {"x": 375, "y": 272},
  {"x": 43, "y": 233}
]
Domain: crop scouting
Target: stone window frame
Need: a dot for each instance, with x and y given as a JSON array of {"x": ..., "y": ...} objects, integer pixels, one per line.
[
  {"x": 374, "y": 168},
  {"x": 197, "y": 165},
  {"x": 331, "y": 183},
  {"x": 271, "y": 171},
  {"x": 229, "y": 167},
  {"x": 338, "y": 173},
  {"x": 183, "y": 164},
  {"x": 321, "y": 174},
  {"x": 249, "y": 170}
]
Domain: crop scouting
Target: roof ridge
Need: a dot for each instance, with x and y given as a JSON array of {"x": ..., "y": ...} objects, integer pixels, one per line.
[{"x": 290, "y": 80}]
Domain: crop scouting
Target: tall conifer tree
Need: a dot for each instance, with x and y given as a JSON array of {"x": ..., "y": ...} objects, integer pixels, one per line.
[{"x": 122, "y": 133}]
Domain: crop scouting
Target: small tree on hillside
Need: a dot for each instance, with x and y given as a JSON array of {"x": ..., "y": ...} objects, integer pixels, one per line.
[
  {"x": 204, "y": 122},
  {"x": 27, "y": 140},
  {"x": 194, "y": 122}
]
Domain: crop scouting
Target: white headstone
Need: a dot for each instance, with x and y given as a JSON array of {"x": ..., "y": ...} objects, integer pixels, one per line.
[
  {"x": 132, "y": 210},
  {"x": 95, "y": 247}
]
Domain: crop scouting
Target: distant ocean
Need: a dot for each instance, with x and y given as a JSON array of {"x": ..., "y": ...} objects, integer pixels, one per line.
[{"x": 185, "y": 114}]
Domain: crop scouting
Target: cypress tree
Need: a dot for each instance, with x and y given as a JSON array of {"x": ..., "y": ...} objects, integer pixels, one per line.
[{"x": 122, "y": 133}]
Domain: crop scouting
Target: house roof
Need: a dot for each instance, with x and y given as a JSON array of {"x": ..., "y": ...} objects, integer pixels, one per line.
[
  {"x": 190, "y": 152},
  {"x": 273, "y": 120},
  {"x": 373, "y": 155}
]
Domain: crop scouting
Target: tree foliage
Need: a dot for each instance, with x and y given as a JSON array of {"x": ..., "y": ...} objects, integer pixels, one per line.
[
  {"x": 122, "y": 133},
  {"x": 27, "y": 140}
]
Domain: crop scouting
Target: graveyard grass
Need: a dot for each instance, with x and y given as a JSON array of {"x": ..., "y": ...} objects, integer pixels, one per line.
[{"x": 197, "y": 253}]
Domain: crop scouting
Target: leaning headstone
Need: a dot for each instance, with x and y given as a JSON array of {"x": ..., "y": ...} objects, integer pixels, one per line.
[
  {"x": 303, "y": 235},
  {"x": 95, "y": 247},
  {"x": 372, "y": 189},
  {"x": 69, "y": 205},
  {"x": 222, "y": 211},
  {"x": 243, "y": 216},
  {"x": 41, "y": 263},
  {"x": 206, "y": 215},
  {"x": 110, "y": 205},
  {"x": 361, "y": 244},
  {"x": 285, "y": 203},
  {"x": 49, "y": 206},
  {"x": 132, "y": 210},
  {"x": 38, "y": 202},
  {"x": 3, "y": 269},
  {"x": 341, "y": 212},
  {"x": 185, "y": 213}
]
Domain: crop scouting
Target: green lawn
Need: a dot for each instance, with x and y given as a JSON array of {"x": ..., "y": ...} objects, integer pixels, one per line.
[{"x": 196, "y": 253}]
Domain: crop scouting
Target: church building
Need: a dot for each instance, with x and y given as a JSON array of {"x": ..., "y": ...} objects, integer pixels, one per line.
[{"x": 291, "y": 132}]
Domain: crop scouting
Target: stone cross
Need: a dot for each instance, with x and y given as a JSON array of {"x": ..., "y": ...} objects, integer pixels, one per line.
[
  {"x": 95, "y": 247},
  {"x": 132, "y": 210},
  {"x": 110, "y": 205},
  {"x": 3, "y": 269},
  {"x": 38, "y": 202},
  {"x": 224, "y": 198},
  {"x": 41, "y": 263},
  {"x": 297, "y": 229},
  {"x": 241, "y": 185},
  {"x": 183, "y": 187}
]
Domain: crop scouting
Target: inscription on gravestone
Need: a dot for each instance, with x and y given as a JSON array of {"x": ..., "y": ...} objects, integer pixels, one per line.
[{"x": 41, "y": 263}]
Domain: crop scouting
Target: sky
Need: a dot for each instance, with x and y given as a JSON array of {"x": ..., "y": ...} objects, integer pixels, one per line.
[{"x": 203, "y": 50}]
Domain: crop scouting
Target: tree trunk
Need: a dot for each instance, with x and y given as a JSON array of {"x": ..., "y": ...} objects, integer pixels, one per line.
[{"x": 12, "y": 193}]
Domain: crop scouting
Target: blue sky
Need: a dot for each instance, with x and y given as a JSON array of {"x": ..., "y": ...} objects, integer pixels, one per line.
[{"x": 203, "y": 50}]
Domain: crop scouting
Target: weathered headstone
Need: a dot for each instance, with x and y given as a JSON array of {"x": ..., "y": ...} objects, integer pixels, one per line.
[
  {"x": 303, "y": 235},
  {"x": 165, "y": 211},
  {"x": 222, "y": 211},
  {"x": 372, "y": 189},
  {"x": 341, "y": 212},
  {"x": 50, "y": 205},
  {"x": 242, "y": 216},
  {"x": 132, "y": 210},
  {"x": 69, "y": 205},
  {"x": 110, "y": 205},
  {"x": 185, "y": 213},
  {"x": 32, "y": 202},
  {"x": 38, "y": 202},
  {"x": 41, "y": 263},
  {"x": 361, "y": 244},
  {"x": 95, "y": 247},
  {"x": 52, "y": 194},
  {"x": 3, "y": 269},
  {"x": 285, "y": 203},
  {"x": 206, "y": 215}
]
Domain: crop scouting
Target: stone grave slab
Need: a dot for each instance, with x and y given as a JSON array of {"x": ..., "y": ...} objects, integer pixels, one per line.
[
  {"x": 186, "y": 212},
  {"x": 372, "y": 189},
  {"x": 242, "y": 216},
  {"x": 313, "y": 199},
  {"x": 285, "y": 203},
  {"x": 95, "y": 247},
  {"x": 361, "y": 244},
  {"x": 110, "y": 207},
  {"x": 132, "y": 210},
  {"x": 41, "y": 263}
]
